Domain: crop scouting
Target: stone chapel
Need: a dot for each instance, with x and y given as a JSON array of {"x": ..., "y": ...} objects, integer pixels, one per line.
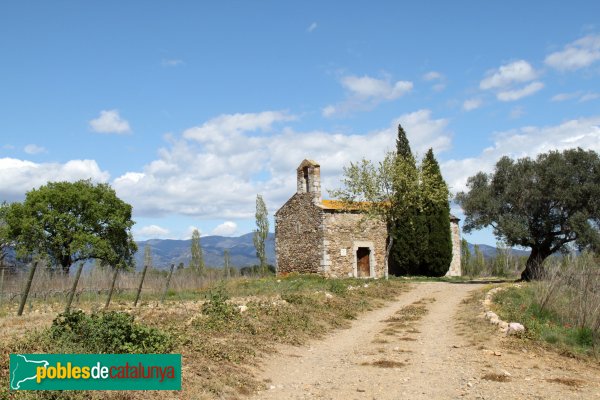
[{"x": 326, "y": 237}]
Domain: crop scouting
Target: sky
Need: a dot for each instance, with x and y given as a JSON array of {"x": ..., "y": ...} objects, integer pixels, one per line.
[{"x": 190, "y": 109}]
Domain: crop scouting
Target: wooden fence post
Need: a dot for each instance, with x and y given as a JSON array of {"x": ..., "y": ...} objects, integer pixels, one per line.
[
  {"x": 139, "y": 291},
  {"x": 168, "y": 283},
  {"x": 73, "y": 288},
  {"x": 112, "y": 287},
  {"x": 27, "y": 288}
]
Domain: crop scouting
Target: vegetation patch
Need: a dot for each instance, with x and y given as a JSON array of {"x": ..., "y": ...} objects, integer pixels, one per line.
[
  {"x": 496, "y": 377},
  {"x": 385, "y": 364},
  {"x": 567, "y": 381},
  {"x": 561, "y": 310}
]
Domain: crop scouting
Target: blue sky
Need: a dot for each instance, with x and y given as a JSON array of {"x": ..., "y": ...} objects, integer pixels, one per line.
[{"x": 189, "y": 109}]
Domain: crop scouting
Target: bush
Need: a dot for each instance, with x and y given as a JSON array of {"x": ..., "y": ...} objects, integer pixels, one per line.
[{"x": 107, "y": 332}]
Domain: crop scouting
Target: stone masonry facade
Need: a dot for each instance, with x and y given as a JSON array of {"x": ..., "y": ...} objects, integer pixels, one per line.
[{"x": 323, "y": 237}]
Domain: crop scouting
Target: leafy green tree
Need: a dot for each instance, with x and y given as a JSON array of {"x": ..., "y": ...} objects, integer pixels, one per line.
[
  {"x": 407, "y": 230},
  {"x": 5, "y": 241},
  {"x": 546, "y": 204},
  {"x": 384, "y": 191},
  {"x": 197, "y": 261},
  {"x": 465, "y": 257},
  {"x": 434, "y": 212},
  {"x": 71, "y": 222},
  {"x": 261, "y": 233},
  {"x": 478, "y": 261}
]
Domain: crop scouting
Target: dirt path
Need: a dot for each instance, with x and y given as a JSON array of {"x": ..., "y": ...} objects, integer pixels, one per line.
[{"x": 432, "y": 355}]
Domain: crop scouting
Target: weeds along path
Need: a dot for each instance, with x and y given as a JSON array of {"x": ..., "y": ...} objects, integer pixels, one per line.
[{"x": 426, "y": 345}]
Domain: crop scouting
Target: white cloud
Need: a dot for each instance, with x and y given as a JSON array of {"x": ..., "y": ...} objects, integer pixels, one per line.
[
  {"x": 368, "y": 87},
  {"x": 432, "y": 76},
  {"x": 8, "y": 147},
  {"x": 579, "y": 95},
  {"x": 171, "y": 62},
  {"x": 151, "y": 232},
  {"x": 516, "y": 72},
  {"x": 516, "y": 94},
  {"x": 579, "y": 54},
  {"x": 589, "y": 97},
  {"x": 528, "y": 141},
  {"x": 227, "y": 228},
  {"x": 311, "y": 27},
  {"x": 34, "y": 149},
  {"x": 365, "y": 92},
  {"x": 20, "y": 176},
  {"x": 110, "y": 121},
  {"x": 219, "y": 175},
  {"x": 565, "y": 96},
  {"x": 472, "y": 104}
]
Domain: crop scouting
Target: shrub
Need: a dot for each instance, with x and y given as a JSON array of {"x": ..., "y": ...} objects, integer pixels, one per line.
[{"x": 107, "y": 332}]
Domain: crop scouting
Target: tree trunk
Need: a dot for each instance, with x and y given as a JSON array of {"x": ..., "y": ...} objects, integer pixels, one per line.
[{"x": 534, "y": 269}]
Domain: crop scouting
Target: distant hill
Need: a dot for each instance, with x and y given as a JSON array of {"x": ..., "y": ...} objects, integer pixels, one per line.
[
  {"x": 241, "y": 250},
  {"x": 491, "y": 251}
]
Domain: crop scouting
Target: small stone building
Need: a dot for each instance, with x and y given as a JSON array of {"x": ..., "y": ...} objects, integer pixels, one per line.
[{"x": 319, "y": 236}]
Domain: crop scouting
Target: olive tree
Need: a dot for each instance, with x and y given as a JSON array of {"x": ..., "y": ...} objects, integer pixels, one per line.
[{"x": 548, "y": 204}]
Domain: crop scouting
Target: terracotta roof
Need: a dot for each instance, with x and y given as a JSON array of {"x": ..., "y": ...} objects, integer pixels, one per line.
[{"x": 340, "y": 205}]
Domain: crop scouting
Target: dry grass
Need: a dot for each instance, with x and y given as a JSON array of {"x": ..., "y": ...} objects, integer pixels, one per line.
[
  {"x": 567, "y": 381},
  {"x": 385, "y": 364},
  {"x": 496, "y": 377},
  {"x": 220, "y": 349}
]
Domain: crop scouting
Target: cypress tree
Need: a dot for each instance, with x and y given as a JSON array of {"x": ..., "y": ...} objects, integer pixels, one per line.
[
  {"x": 404, "y": 256},
  {"x": 436, "y": 252}
]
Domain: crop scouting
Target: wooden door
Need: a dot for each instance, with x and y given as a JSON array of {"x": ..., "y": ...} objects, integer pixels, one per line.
[{"x": 362, "y": 262}]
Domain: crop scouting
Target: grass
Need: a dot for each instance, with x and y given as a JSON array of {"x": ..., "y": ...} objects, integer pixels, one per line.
[
  {"x": 548, "y": 325},
  {"x": 219, "y": 344}
]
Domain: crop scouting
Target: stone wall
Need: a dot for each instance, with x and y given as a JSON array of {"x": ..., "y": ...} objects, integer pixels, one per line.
[
  {"x": 455, "y": 268},
  {"x": 298, "y": 237},
  {"x": 343, "y": 233}
]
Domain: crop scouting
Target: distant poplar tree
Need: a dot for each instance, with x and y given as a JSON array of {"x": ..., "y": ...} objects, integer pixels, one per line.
[
  {"x": 197, "y": 261},
  {"x": 261, "y": 233},
  {"x": 148, "y": 256},
  {"x": 226, "y": 264},
  {"x": 465, "y": 257}
]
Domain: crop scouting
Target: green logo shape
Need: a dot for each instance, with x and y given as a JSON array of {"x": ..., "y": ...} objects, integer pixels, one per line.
[{"x": 95, "y": 372}]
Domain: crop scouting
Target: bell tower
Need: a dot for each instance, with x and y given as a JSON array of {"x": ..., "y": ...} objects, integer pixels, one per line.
[{"x": 308, "y": 179}]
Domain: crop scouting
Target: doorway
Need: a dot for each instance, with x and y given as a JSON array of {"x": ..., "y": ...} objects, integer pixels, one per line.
[{"x": 363, "y": 265}]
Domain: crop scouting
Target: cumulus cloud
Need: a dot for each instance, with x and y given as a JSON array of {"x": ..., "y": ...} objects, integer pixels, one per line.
[
  {"x": 20, "y": 176},
  {"x": 438, "y": 78},
  {"x": 528, "y": 141},
  {"x": 516, "y": 72},
  {"x": 219, "y": 175},
  {"x": 34, "y": 149},
  {"x": 227, "y": 228},
  {"x": 516, "y": 94},
  {"x": 311, "y": 27},
  {"x": 589, "y": 97},
  {"x": 507, "y": 81},
  {"x": 579, "y": 54},
  {"x": 151, "y": 232},
  {"x": 472, "y": 104},
  {"x": 365, "y": 92},
  {"x": 110, "y": 121}
]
